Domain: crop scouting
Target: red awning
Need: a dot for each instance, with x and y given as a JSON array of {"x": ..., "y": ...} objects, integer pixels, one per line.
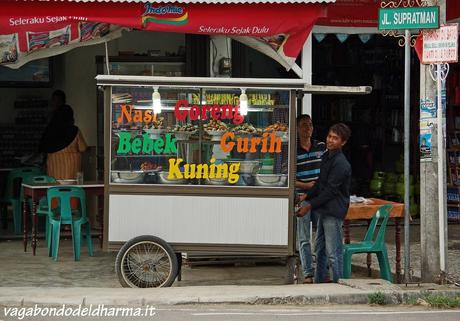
[
  {"x": 186, "y": 1},
  {"x": 351, "y": 13},
  {"x": 453, "y": 10},
  {"x": 35, "y": 29}
]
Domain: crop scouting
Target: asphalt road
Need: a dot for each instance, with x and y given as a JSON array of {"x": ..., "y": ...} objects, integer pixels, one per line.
[{"x": 252, "y": 313}]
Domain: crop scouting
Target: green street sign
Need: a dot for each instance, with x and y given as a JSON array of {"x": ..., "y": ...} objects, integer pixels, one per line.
[{"x": 409, "y": 18}]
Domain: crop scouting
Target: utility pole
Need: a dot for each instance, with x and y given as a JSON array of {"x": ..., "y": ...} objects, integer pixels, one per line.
[{"x": 431, "y": 184}]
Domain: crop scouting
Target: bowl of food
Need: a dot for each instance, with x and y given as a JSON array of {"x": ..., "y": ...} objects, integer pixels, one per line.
[
  {"x": 183, "y": 135},
  {"x": 246, "y": 166},
  {"x": 270, "y": 179},
  {"x": 128, "y": 177},
  {"x": 216, "y": 135},
  {"x": 276, "y": 127},
  {"x": 216, "y": 181},
  {"x": 215, "y": 128},
  {"x": 155, "y": 133},
  {"x": 162, "y": 178},
  {"x": 246, "y": 129},
  {"x": 183, "y": 132}
]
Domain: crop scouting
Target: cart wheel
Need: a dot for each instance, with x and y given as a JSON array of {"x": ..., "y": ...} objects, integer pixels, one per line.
[
  {"x": 293, "y": 270},
  {"x": 146, "y": 262}
]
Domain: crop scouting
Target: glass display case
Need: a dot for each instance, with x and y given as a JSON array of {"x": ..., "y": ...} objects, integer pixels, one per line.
[{"x": 199, "y": 136}]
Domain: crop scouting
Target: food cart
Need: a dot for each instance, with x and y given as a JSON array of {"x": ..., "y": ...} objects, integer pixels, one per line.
[{"x": 198, "y": 165}]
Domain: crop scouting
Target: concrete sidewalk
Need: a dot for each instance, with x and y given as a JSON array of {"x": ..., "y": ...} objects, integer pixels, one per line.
[
  {"x": 354, "y": 291},
  {"x": 29, "y": 280}
]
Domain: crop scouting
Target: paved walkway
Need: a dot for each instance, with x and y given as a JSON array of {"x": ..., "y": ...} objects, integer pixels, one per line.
[{"x": 19, "y": 269}]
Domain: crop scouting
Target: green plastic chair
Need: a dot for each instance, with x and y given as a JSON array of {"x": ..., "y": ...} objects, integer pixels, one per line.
[
  {"x": 371, "y": 244},
  {"x": 42, "y": 208},
  {"x": 63, "y": 214},
  {"x": 13, "y": 192}
]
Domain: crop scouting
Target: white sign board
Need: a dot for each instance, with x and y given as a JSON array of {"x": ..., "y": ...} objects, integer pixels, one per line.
[{"x": 440, "y": 45}]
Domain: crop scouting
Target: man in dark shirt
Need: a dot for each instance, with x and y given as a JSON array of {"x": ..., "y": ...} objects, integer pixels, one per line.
[
  {"x": 330, "y": 198},
  {"x": 309, "y": 152}
]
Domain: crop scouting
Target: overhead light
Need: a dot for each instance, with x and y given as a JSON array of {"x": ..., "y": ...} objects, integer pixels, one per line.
[
  {"x": 156, "y": 101},
  {"x": 243, "y": 103}
]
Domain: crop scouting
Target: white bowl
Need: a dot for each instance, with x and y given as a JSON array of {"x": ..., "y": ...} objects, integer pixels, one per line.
[
  {"x": 270, "y": 179},
  {"x": 246, "y": 167},
  {"x": 216, "y": 135},
  {"x": 155, "y": 133},
  {"x": 132, "y": 177},
  {"x": 183, "y": 135},
  {"x": 163, "y": 179},
  {"x": 216, "y": 181}
]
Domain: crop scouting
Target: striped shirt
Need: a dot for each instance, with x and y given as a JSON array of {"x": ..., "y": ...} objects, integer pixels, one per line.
[
  {"x": 309, "y": 162},
  {"x": 65, "y": 163}
]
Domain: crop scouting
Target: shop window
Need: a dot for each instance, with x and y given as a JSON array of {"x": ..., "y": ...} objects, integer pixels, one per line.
[{"x": 200, "y": 136}]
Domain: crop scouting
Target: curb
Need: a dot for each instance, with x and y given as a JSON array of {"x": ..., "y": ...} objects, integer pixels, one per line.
[{"x": 276, "y": 295}]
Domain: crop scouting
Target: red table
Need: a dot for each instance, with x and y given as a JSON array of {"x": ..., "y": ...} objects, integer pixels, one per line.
[
  {"x": 365, "y": 211},
  {"x": 37, "y": 191}
]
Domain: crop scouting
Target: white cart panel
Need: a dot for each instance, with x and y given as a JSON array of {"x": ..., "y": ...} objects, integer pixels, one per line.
[{"x": 200, "y": 220}]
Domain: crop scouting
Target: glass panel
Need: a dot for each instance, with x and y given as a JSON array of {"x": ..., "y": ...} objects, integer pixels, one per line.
[
  {"x": 175, "y": 69},
  {"x": 258, "y": 141},
  {"x": 200, "y": 137},
  {"x": 142, "y": 142}
]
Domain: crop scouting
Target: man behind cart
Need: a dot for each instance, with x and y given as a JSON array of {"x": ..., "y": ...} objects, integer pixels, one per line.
[
  {"x": 309, "y": 152},
  {"x": 329, "y": 199}
]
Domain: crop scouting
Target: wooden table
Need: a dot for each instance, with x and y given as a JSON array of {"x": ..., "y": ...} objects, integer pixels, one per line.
[
  {"x": 365, "y": 211},
  {"x": 37, "y": 191}
]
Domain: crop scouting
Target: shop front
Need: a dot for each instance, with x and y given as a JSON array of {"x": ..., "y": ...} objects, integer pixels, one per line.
[{"x": 250, "y": 164}]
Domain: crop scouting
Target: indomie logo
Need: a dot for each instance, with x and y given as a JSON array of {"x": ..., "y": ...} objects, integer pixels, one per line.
[{"x": 166, "y": 14}]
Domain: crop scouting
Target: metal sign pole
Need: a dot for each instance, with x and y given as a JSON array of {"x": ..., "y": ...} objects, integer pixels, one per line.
[
  {"x": 406, "y": 155},
  {"x": 441, "y": 171}
]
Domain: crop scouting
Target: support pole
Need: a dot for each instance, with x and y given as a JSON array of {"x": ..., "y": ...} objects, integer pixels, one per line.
[
  {"x": 406, "y": 156},
  {"x": 441, "y": 175}
]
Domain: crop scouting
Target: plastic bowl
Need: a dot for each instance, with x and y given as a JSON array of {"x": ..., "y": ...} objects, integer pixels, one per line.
[
  {"x": 183, "y": 135},
  {"x": 216, "y": 135},
  {"x": 217, "y": 181},
  {"x": 246, "y": 167},
  {"x": 163, "y": 179},
  {"x": 133, "y": 177},
  {"x": 155, "y": 133},
  {"x": 270, "y": 179}
]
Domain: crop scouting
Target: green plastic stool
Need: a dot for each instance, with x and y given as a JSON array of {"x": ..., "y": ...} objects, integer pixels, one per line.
[
  {"x": 371, "y": 245},
  {"x": 13, "y": 193},
  {"x": 64, "y": 214},
  {"x": 42, "y": 208}
]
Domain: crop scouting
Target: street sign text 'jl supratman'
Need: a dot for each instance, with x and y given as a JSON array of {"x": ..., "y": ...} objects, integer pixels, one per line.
[{"x": 409, "y": 18}]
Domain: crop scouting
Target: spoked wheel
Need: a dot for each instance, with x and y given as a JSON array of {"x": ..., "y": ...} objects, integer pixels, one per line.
[{"x": 146, "y": 262}]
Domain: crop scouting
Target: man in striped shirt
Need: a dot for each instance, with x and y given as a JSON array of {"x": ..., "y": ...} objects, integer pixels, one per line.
[{"x": 309, "y": 152}]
